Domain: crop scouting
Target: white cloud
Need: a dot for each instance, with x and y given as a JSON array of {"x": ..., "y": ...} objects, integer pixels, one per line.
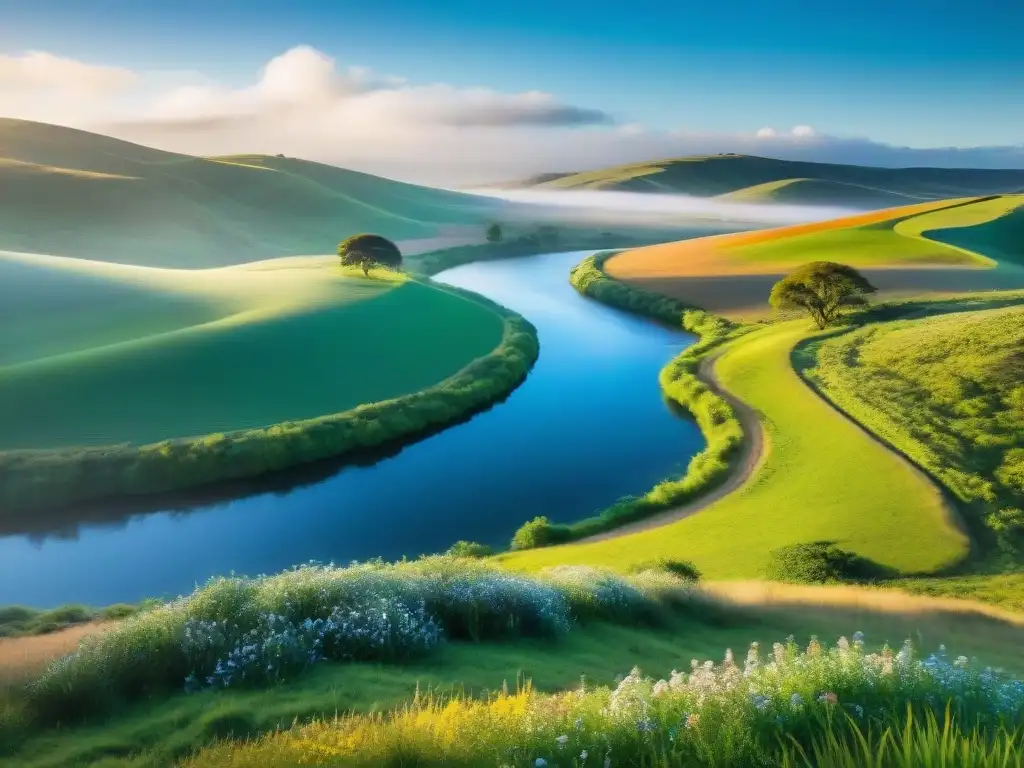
[
  {"x": 37, "y": 70},
  {"x": 303, "y": 104}
]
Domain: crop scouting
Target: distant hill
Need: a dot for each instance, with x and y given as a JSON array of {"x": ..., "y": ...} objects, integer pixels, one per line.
[
  {"x": 74, "y": 193},
  {"x": 762, "y": 179}
]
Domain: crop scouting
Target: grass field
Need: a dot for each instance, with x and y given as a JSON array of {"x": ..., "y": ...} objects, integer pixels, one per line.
[
  {"x": 154, "y": 733},
  {"x": 763, "y": 179},
  {"x": 946, "y": 391},
  {"x": 821, "y": 478},
  {"x": 81, "y": 194},
  {"x": 898, "y": 248},
  {"x": 158, "y": 353}
]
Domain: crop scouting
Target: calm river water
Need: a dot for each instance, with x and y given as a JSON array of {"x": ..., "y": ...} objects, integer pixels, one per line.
[{"x": 588, "y": 426}]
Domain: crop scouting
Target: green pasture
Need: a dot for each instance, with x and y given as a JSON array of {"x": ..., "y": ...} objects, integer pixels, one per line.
[
  {"x": 821, "y": 478},
  {"x": 155, "y": 733},
  {"x": 80, "y": 194},
  {"x": 961, "y": 233},
  {"x": 948, "y": 391},
  {"x": 999, "y": 236},
  {"x": 103, "y": 353}
]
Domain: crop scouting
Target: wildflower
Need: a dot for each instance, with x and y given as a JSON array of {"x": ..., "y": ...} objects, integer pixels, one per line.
[
  {"x": 583, "y": 756},
  {"x": 692, "y": 720},
  {"x": 608, "y": 761},
  {"x": 540, "y": 762},
  {"x": 961, "y": 661},
  {"x": 828, "y": 698},
  {"x": 579, "y": 723},
  {"x": 561, "y": 741},
  {"x": 660, "y": 689},
  {"x": 858, "y": 637},
  {"x": 796, "y": 700},
  {"x": 858, "y": 710},
  {"x": 761, "y": 702}
]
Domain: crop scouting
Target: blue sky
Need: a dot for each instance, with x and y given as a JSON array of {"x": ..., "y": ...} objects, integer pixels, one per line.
[{"x": 915, "y": 73}]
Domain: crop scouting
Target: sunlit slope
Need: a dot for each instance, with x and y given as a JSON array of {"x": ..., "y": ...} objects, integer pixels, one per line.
[
  {"x": 104, "y": 353},
  {"x": 81, "y": 194},
  {"x": 1000, "y": 236},
  {"x": 905, "y": 251},
  {"x": 797, "y": 182},
  {"x": 837, "y": 194},
  {"x": 822, "y": 478},
  {"x": 860, "y": 239}
]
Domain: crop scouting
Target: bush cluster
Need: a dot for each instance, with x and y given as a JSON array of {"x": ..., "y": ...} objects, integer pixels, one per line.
[
  {"x": 40, "y": 479},
  {"x": 819, "y": 706},
  {"x": 250, "y": 631},
  {"x": 821, "y": 562},
  {"x": 679, "y": 381}
]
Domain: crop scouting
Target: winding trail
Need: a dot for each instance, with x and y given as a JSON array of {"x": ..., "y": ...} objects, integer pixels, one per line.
[
  {"x": 744, "y": 464},
  {"x": 813, "y": 475}
]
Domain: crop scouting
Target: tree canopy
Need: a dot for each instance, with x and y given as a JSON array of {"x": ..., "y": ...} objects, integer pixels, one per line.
[
  {"x": 369, "y": 250},
  {"x": 494, "y": 233},
  {"x": 822, "y": 288}
]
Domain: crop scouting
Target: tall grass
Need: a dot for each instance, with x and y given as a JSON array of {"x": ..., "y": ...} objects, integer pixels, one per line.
[
  {"x": 838, "y": 706},
  {"x": 679, "y": 381},
  {"x": 257, "y": 631},
  {"x": 41, "y": 479}
]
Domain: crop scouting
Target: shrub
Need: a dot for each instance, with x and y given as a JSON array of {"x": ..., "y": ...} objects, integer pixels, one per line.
[
  {"x": 683, "y": 569},
  {"x": 469, "y": 549},
  {"x": 820, "y": 562},
  {"x": 238, "y": 631},
  {"x": 539, "y": 532}
]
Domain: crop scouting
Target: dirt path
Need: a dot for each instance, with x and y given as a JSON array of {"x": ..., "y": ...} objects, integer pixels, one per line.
[
  {"x": 22, "y": 657},
  {"x": 743, "y": 464}
]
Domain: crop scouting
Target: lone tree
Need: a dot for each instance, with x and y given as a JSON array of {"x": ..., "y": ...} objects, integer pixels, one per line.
[
  {"x": 494, "y": 233},
  {"x": 823, "y": 288},
  {"x": 369, "y": 250}
]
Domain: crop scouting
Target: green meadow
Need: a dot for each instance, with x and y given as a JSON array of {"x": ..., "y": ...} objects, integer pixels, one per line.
[
  {"x": 151, "y": 354},
  {"x": 947, "y": 392},
  {"x": 69, "y": 192},
  {"x": 181, "y": 338},
  {"x": 901, "y": 241},
  {"x": 746, "y": 178},
  {"x": 820, "y": 478}
]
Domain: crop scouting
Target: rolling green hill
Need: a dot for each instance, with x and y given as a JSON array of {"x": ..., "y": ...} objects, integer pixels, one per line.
[
  {"x": 90, "y": 196},
  {"x": 141, "y": 354},
  {"x": 762, "y": 179}
]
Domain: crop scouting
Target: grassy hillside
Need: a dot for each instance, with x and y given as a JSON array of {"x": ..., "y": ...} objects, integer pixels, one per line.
[
  {"x": 918, "y": 248},
  {"x": 820, "y": 478},
  {"x": 949, "y": 392},
  {"x": 159, "y": 353},
  {"x": 767, "y": 179},
  {"x": 90, "y": 196},
  {"x": 520, "y": 636}
]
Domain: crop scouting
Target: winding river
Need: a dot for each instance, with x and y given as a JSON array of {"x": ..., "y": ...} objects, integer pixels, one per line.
[{"x": 588, "y": 426}]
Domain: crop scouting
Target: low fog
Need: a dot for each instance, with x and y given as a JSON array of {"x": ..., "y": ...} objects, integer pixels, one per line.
[{"x": 640, "y": 208}]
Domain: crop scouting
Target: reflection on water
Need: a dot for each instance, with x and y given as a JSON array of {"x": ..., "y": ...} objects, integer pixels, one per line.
[{"x": 588, "y": 426}]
